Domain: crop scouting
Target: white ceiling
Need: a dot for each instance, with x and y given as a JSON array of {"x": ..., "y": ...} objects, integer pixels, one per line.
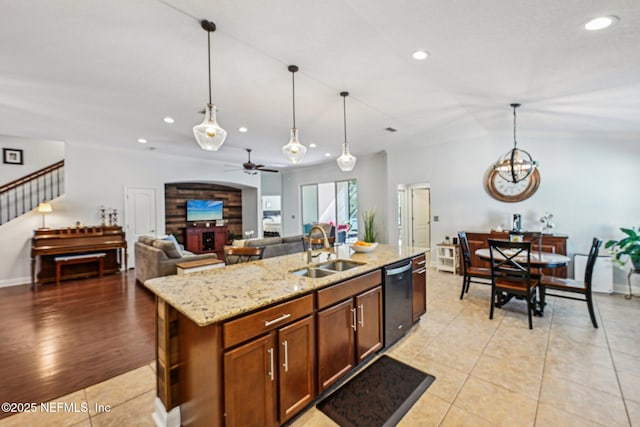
[{"x": 107, "y": 72}]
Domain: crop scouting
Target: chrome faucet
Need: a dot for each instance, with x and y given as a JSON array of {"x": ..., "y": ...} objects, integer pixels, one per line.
[{"x": 324, "y": 238}]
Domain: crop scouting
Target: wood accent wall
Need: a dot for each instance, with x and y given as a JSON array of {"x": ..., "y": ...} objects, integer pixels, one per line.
[{"x": 175, "y": 205}]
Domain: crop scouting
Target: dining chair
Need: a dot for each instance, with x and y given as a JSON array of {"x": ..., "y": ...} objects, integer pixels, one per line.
[
  {"x": 237, "y": 255},
  {"x": 511, "y": 274},
  {"x": 471, "y": 274},
  {"x": 582, "y": 288}
]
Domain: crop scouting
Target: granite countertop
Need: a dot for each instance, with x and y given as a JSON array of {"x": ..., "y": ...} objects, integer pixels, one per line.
[{"x": 210, "y": 296}]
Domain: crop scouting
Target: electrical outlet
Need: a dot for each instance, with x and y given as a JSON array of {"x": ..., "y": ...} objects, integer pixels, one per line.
[{"x": 436, "y": 218}]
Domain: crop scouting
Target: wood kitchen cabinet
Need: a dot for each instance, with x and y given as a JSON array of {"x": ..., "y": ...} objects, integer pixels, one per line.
[
  {"x": 419, "y": 297},
  {"x": 271, "y": 377},
  {"x": 349, "y": 326}
]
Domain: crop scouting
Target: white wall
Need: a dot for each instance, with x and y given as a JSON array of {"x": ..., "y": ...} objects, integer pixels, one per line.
[
  {"x": 97, "y": 176},
  {"x": 37, "y": 154},
  {"x": 591, "y": 188},
  {"x": 371, "y": 173}
]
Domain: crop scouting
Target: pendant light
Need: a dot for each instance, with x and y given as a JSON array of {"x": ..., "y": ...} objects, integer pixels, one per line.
[
  {"x": 346, "y": 161},
  {"x": 209, "y": 134},
  {"x": 294, "y": 151},
  {"x": 515, "y": 165}
]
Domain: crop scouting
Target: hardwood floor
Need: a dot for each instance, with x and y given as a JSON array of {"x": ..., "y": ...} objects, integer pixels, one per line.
[{"x": 61, "y": 339}]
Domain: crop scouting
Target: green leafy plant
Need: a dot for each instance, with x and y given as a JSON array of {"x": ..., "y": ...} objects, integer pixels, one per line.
[
  {"x": 368, "y": 219},
  {"x": 629, "y": 246}
]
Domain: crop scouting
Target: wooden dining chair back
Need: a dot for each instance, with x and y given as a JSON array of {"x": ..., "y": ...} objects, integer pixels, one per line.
[
  {"x": 573, "y": 287},
  {"x": 511, "y": 274},
  {"x": 236, "y": 255},
  {"x": 471, "y": 274}
]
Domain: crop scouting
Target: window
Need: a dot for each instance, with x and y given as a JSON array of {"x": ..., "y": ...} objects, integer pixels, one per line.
[{"x": 332, "y": 202}]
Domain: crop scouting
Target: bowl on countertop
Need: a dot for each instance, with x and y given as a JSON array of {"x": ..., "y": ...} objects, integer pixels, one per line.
[{"x": 364, "y": 249}]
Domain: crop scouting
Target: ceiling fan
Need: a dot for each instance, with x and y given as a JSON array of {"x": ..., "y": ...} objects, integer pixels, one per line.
[{"x": 251, "y": 168}]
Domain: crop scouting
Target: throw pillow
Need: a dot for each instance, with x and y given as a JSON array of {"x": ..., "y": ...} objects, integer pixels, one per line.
[
  {"x": 171, "y": 238},
  {"x": 167, "y": 247}
]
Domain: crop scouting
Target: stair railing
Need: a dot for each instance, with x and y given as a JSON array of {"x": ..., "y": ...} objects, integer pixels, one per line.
[{"x": 24, "y": 194}]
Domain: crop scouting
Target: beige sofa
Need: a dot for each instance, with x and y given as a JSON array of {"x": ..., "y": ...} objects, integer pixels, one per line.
[
  {"x": 277, "y": 246},
  {"x": 157, "y": 257}
]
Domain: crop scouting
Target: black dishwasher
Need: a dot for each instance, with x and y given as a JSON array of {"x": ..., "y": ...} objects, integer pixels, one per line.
[{"x": 397, "y": 300}]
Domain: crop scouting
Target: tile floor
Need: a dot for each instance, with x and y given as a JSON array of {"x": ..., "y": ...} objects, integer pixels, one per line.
[{"x": 488, "y": 372}]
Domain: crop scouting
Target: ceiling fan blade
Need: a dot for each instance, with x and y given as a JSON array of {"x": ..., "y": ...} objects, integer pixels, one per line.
[{"x": 267, "y": 170}]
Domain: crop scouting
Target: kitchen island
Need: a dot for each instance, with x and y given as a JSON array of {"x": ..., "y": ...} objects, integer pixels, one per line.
[{"x": 256, "y": 343}]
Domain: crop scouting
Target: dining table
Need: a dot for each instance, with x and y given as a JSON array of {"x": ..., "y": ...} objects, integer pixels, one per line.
[{"x": 538, "y": 261}]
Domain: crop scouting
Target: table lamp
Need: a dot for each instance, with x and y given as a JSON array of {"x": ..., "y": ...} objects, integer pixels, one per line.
[{"x": 44, "y": 208}]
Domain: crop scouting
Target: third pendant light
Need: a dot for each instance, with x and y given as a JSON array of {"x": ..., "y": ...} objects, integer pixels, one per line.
[
  {"x": 294, "y": 151},
  {"x": 346, "y": 161}
]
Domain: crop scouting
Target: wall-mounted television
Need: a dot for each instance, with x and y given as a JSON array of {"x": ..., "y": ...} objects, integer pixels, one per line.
[{"x": 204, "y": 210}]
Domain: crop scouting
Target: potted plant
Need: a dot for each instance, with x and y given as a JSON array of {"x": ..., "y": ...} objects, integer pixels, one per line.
[
  {"x": 370, "y": 234},
  {"x": 630, "y": 246}
]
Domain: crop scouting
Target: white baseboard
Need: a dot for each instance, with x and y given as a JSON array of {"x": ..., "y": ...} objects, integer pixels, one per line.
[
  {"x": 162, "y": 418},
  {"x": 15, "y": 281}
]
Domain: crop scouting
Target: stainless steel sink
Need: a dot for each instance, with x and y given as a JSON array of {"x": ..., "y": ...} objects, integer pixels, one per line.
[
  {"x": 327, "y": 268},
  {"x": 340, "y": 265},
  {"x": 313, "y": 272}
]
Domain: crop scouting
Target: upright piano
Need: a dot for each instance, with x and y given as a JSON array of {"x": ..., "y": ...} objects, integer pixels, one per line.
[{"x": 47, "y": 244}]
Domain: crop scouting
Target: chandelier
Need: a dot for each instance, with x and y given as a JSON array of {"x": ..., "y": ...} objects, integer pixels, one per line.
[{"x": 515, "y": 165}]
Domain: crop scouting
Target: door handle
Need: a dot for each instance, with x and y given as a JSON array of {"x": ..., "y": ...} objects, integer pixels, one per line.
[
  {"x": 285, "y": 365},
  {"x": 353, "y": 325},
  {"x": 279, "y": 319},
  {"x": 362, "y": 315},
  {"x": 271, "y": 375}
]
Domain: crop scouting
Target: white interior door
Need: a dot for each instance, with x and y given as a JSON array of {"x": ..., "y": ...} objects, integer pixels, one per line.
[
  {"x": 140, "y": 216},
  {"x": 420, "y": 217}
]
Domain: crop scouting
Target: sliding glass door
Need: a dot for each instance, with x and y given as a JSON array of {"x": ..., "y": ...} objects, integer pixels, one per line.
[{"x": 335, "y": 203}]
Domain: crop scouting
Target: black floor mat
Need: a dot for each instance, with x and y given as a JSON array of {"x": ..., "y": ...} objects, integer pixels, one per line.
[{"x": 380, "y": 395}]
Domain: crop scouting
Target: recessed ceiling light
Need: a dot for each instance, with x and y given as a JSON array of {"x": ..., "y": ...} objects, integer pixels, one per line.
[
  {"x": 168, "y": 119},
  {"x": 242, "y": 129},
  {"x": 327, "y": 154},
  {"x": 142, "y": 140},
  {"x": 312, "y": 145},
  {"x": 420, "y": 54},
  {"x": 600, "y": 23}
]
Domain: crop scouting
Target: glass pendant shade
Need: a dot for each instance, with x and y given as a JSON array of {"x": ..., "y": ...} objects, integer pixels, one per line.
[
  {"x": 515, "y": 165},
  {"x": 294, "y": 151},
  {"x": 346, "y": 161},
  {"x": 209, "y": 134}
]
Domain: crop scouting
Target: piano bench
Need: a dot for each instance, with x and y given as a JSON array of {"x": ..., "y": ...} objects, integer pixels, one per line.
[{"x": 79, "y": 259}]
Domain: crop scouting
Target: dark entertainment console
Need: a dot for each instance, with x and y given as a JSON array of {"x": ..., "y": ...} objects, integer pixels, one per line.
[{"x": 204, "y": 240}]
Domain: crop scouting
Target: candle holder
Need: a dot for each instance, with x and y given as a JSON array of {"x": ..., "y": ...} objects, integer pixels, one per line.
[{"x": 103, "y": 215}]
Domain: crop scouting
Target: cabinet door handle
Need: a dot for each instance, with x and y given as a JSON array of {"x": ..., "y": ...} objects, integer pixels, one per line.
[
  {"x": 279, "y": 319},
  {"x": 422, "y": 270},
  {"x": 285, "y": 365},
  {"x": 362, "y": 315},
  {"x": 271, "y": 375},
  {"x": 355, "y": 315},
  {"x": 424, "y": 261}
]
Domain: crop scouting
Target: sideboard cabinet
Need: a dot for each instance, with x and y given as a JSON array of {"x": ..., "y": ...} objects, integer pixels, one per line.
[{"x": 550, "y": 243}]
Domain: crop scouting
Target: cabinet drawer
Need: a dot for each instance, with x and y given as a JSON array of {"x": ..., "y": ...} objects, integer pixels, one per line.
[
  {"x": 419, "y": 262},
  {"x": 252, "y": 325},
  {"x": 348, "y": 288}
]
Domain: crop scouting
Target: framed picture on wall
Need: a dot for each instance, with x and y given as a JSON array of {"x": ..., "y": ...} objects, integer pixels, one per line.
[{"x": 12, "y": 156}]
